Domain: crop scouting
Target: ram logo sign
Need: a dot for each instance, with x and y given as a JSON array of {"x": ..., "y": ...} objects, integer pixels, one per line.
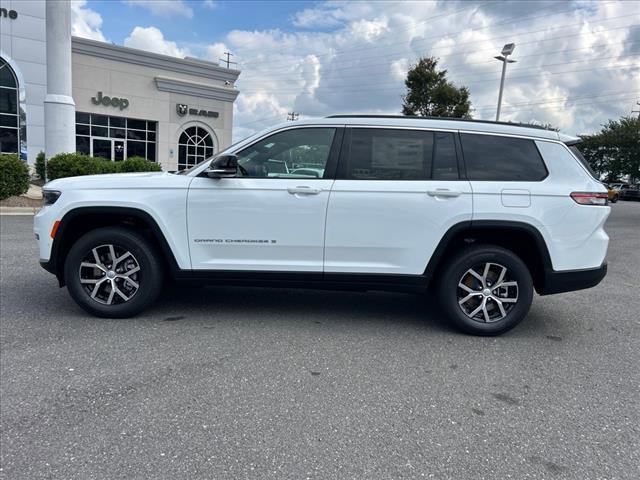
[{"x": 183, "y": 110}]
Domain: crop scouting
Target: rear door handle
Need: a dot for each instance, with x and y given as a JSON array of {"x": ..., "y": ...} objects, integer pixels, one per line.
[
  {"x": 443, "y": 192},
  {"x": 303, "y": 190}
]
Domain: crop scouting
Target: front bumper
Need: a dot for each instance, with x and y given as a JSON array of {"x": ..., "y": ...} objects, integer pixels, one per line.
[
  {"x": 570, "y": 280},
  {"x": 48, "y": 266}
]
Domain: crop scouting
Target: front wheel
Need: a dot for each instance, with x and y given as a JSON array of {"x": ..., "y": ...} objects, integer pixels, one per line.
[
  {"x": 113, "y": 272},
  {"x": 485, "y": 290},
  {"x": 615, "y": 198}
]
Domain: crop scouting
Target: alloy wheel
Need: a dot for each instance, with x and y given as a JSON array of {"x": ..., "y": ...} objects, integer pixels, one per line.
[
  {"x": 487, "y": 293},
  {"x": 110, "y": 274}
]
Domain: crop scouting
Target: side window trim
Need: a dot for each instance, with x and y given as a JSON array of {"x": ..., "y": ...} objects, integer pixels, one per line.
[
  {"x": 462, "y": 166},
  {"x": 335, "y": 152},
  {"x": 345, "y": 151}
]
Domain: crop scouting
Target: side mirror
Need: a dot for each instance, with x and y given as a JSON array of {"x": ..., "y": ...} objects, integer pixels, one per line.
[{"x": 223, "y": 167}]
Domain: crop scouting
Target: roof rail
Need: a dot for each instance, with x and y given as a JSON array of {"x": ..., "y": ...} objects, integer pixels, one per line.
[{"x": 411, "y": 117}]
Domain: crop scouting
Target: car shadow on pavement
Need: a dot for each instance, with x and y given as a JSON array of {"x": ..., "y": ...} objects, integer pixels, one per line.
[
  {"x": 183, "y": 303},
  {"x": 419, "y": 313}
]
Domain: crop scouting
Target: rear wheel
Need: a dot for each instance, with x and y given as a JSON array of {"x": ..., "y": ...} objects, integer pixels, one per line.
[
  {"x": 113, "y": 272},
  {"x": 486, "y": 290},
  {"x": 615, "y": 198}
]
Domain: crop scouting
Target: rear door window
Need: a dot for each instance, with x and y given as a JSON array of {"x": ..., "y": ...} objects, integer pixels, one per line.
[
  {"x": 399, "y": 154},
  {"x": 389, "y": 154},
  {"x": 496, "y": 158},
  {"x": 445, "y": 160}
]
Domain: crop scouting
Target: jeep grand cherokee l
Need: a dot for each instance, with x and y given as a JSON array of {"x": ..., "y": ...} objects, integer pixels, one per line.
[{"x": 483, "y": 212}]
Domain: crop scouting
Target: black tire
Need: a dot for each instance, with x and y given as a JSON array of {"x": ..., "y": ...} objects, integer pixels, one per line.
[
  {"x": 615, "y": 198},
  {"x": 455, "y": 271},
  {"x": 149, "y": 277}
]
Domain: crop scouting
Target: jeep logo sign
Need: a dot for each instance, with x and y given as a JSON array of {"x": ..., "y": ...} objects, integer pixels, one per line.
[
  {"x": 4, "y": 13},
  {"x": 12, "y": 14},
  {"x": 116, "y": 102},
  {"x": 182, "y": 110}
]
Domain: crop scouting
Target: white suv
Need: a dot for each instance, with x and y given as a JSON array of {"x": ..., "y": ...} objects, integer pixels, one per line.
[{"x": 482, "y": 211}]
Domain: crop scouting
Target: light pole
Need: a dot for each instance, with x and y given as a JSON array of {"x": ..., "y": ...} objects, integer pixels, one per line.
[{"x": 506, "y": 51}]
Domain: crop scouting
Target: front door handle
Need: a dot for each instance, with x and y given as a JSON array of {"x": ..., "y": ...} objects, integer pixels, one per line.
[
  {"x": 443, "y": 192},
  {"x": 304, "y": 190}
]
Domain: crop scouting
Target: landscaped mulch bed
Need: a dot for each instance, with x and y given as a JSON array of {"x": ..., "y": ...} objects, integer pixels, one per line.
[{"x": 21, "y": 201}]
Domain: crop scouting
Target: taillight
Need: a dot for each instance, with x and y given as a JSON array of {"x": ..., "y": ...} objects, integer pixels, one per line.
[{"x": 591, "y": 198}]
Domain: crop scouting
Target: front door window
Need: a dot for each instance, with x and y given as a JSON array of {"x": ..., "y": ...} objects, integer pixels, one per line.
[{"x": 297, "y": 153}]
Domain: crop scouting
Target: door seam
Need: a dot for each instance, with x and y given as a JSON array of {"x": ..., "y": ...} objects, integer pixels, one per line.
[{"x": 326, "y": 219}]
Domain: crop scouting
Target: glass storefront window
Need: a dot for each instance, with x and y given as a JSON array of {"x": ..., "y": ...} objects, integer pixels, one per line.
[
  {"x": 194, "y": 146},
  {"x": 115, "y": 138},
  {"x": 10, "y": 132},
  {"x": 82, "y": 145}
]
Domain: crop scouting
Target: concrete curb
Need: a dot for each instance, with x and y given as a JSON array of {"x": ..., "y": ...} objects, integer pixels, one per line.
[{"x": 19, "y": 210}]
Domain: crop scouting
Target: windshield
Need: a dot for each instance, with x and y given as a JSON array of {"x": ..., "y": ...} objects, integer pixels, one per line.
[{"x": 193, "y": 167}]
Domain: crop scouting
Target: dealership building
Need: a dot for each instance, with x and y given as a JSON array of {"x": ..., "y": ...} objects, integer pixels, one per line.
[{"x": 60, "y": 93}]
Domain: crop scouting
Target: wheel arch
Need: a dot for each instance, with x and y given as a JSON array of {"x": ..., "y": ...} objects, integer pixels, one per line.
[
  {"x": 521, "y": 238},
  {"x": 81, "y": 220}
]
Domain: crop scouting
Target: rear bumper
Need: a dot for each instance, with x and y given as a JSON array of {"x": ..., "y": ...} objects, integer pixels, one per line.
[{"x": 568, "y": 281}]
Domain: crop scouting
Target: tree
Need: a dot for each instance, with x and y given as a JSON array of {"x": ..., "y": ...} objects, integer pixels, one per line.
[
  {"x": 615, "y": 151},
  {"x": 429, "y": 93}
]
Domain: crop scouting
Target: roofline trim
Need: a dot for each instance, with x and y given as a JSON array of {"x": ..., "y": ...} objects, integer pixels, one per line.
[
  {"x": 135, "y": 56},
  {"x": 175, "y": 85},
  {"x": 453, "y": 119}
]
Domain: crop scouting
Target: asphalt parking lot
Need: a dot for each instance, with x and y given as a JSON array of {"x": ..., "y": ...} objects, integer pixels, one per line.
[{"x": 226, "y": 383}]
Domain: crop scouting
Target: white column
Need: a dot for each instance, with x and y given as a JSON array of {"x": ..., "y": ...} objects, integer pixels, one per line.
[{"x": 59, "y": 107}]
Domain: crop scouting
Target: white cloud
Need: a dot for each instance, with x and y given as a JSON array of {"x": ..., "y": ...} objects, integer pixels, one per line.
[
  {"x": 210, "y": 4},
  {"x": 152, "y": 40},
  {"x": 164, "y": 8},
  {"x": 215, "y": 52},
  {"x": 331, "y": 14},
  {"x": 85, "y": 22},
  {"x": 573, "y": 68},
  {"x": 257, "y": 110}
]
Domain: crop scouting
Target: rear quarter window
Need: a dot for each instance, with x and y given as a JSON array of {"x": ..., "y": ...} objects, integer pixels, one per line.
[
  {"x": 578, "y": 154},
  {"x": 495, "y": 158}
]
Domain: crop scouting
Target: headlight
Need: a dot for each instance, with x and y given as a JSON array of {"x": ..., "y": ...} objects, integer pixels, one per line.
[{"x": 49, "y": 197}]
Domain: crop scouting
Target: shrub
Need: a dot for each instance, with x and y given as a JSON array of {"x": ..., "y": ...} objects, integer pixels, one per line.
[
  {"x": 14, "y": 176},
  {"x": 76, "y": 164},
  {"x": 41, "y": 165},
  {"x": 104, "y": 165},
  {"x": 139, "y": 164},
  {"x": 71, "y": 165}
]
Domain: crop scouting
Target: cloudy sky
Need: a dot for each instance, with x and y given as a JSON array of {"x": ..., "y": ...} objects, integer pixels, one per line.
[{"x": 578, "y": 62}]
